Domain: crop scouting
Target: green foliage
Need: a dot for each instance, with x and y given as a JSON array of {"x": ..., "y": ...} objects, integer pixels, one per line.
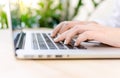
[
  {"x": 15, "y": 18},
  {"x": 80, "y": 4},
  {"x": 28, "y": 19},
  {"x": 75, "y": 11},
  {"x": 48, "y": 14},
  {"x": 3, "y": 18},
  {"x": 96, "y": 3}
]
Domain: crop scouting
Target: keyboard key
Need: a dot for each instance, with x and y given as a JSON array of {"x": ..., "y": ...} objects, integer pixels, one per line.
[
  {"x": 58, "y": 44},
  {"x": 41, "y": 42},
  {"x": 21, "y": 42},
  {"x": 81, "y": 47},
  {"x": 34, "y": 41},
  {"x": 71, "y": 45},
  {"x": 48, "y": 41},
  {"x": 78, "y": 47}
]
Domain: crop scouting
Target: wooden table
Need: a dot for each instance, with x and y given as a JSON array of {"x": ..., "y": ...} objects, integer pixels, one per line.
[{"x": 13, "y": 68}]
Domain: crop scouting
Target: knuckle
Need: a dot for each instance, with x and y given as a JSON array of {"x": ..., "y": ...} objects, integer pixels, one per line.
[
  {"x": 68, "y": 39},
  {"x": 64, "y": 22},
  {"x": 69, "y": 36},
  {"x": 76, "y": 28},
  {"x": 61, "y": 37},
  {"x": 89, "y": 34}
]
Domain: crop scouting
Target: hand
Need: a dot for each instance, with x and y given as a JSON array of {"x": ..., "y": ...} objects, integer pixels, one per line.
[
  {"x": 97, "y": 32},
  {"x": 66, "y": 25}
]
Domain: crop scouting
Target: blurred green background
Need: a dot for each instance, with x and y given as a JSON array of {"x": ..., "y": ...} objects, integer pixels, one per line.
[
  {"x": 43, "y": 13},
  {"x": 3, "y": 18}
]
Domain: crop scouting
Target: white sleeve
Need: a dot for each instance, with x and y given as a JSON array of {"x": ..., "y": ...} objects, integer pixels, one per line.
[{"x": 114, "y": 20}]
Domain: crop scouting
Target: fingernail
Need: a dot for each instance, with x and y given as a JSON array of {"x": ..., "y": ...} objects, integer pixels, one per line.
[
  {"x": 56, "y": 39},
  {"x": 75, "y": 44},
  {"x": 65, "y": 42}
]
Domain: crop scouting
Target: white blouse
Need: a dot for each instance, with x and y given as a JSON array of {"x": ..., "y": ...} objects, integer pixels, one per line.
[{"x": 114, "y": 20}]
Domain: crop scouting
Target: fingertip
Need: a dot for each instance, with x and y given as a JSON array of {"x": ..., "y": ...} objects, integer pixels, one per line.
[
  {"x": 52, "y": 35},
  {"x": 55, "y": 31},
  {"x": 78, "y": 41},
  {"x": 56, "y": 40},
  {"x": 75, "y": 44},
  {"x": 65, "y": 42}
]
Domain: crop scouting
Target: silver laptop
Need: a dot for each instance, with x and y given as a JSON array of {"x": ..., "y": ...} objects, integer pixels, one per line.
[{"x": 37, "y": 44}]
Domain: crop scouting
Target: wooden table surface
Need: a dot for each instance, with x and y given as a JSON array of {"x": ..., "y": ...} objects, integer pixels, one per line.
[{"x": 13, "y": 68}]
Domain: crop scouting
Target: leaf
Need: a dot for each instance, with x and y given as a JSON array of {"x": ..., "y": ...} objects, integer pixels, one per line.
[{"x": 41, "y": 4}]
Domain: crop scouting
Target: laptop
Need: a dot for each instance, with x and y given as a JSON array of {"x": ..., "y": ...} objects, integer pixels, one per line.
[{"x": 37, "y": 44}]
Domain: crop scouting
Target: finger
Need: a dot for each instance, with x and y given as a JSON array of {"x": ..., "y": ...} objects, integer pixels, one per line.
[
  {"x": 56, "y": 30},
  {"x": 64, "y": 26},
  {"x": 61, "y": 37},
  {"x": 88, "y": 35},
  {"x": 71, "y": 33},
  {"x": 69, "y": 24}
]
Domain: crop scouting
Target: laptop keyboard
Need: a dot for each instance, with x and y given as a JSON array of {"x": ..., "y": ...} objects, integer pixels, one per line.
[
  {"x": 43, "y": 41},
  {"x": 34, "y": 41},
  {"x": 20, "y": 40},
  {"x": 49, "y": 41}
]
